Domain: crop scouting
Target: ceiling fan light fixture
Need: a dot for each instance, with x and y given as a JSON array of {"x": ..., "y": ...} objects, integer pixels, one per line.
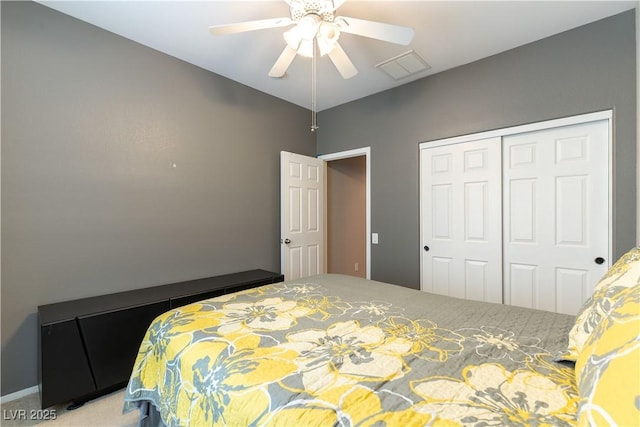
[
  {"x": 329, "y": 31},
  {"x": 326, "y": 46},
  {"x": 328, "y": 35},
  {"x": 306, "y": 48},
  {"x": 308, "y": 26},
  {"x": 293, "y": 38}
]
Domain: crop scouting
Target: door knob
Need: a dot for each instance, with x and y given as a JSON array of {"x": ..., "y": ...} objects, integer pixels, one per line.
[
  {"x": 426, "y": 248},
  {"x": 599, "y": 260},
  {"x": 286, "y": 241}
]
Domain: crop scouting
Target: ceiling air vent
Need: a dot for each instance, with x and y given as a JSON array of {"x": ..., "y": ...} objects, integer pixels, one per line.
[{"x": 404, "y": 65}]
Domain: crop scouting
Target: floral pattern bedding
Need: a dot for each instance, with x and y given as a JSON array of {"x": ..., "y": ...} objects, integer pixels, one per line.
[{"x": 338, "y": 350}]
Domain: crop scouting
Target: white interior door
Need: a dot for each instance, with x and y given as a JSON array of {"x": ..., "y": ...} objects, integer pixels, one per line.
[
  {"x": 302, "y": 183},
  {"x": 461, "y": 228},
  {"x": 556, "y": 225}
]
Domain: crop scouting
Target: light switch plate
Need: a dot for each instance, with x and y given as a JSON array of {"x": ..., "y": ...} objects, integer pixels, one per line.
[{"x": 374, "y": 238}]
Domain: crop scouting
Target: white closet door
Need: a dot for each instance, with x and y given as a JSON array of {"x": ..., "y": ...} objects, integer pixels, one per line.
[
  {"x": 556, "y": 226},
  {"x": 461, "y": 220}
]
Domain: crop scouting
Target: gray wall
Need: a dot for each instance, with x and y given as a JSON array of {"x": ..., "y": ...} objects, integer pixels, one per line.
[
  {"x": 587, "y": 69},
  {"x": 91, "y": 126}
]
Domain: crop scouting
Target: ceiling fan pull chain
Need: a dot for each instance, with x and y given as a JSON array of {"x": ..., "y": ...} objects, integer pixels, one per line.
[{"x": 314, "y": 120}]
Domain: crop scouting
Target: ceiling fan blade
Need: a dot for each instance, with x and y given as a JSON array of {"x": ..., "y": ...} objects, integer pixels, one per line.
[
  {"x": 376, "y": 30},
  {"x": 240, "y": 27},
  {"x": 342, "y": 62},
  {"x": 283, "y": 62}
]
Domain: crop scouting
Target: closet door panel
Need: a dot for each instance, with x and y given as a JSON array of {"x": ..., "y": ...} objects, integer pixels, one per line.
[
  {"x": 442, "y": 212},
  {"x": 461, "y": 225},
  {"x": 522, "y": 211},
  {"x": 555, "y": 214},
  {"x": 476, "y": 211},
  {"x": 571, "y": 210},
  {"x": 572, "y": 287},
  {"x": 441, "y": 276},
  {"x": 476, "y": 274},
  {"x": 525, "y": 275}
]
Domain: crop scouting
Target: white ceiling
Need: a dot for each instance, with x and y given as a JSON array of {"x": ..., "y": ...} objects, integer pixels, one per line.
[{"x": 447, "y": 34}]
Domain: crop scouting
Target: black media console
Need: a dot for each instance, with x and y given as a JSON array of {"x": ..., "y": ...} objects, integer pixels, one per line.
[{"x": 88, "y": 346}]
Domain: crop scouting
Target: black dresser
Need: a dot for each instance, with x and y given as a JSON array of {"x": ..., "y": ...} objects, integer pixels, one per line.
[{"x": 88, "y": 346}]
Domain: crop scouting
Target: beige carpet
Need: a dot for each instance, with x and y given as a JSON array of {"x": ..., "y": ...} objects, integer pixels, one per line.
[{"x": 103, "y": 411}]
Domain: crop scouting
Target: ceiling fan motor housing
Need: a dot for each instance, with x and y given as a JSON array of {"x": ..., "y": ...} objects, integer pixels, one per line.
[{"x": 301, "y": 8}]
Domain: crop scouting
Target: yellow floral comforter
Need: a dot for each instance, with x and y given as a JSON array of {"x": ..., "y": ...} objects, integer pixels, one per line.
[{"x": 338, "y": 350}]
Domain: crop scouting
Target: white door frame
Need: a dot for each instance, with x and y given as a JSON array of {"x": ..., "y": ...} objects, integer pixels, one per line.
[
  {"x": 547, "y": 124},
  {"x": 357, "y": 152}
]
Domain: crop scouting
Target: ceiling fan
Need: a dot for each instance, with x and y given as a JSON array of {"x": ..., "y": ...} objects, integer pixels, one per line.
[{"x": 316, "y": 25}]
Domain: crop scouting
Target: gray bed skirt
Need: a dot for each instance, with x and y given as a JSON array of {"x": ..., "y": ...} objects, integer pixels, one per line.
[{"x": 149, "y": 415}]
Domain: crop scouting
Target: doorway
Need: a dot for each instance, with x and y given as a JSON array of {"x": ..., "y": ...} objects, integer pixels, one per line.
[{"x": 348, "y": 212}]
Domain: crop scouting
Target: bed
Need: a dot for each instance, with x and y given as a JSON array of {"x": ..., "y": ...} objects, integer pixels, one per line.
[{"x": 339, "y": 350}]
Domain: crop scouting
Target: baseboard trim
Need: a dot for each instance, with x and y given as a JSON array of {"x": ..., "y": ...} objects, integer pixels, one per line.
[{"x": 18, "y": 394}]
